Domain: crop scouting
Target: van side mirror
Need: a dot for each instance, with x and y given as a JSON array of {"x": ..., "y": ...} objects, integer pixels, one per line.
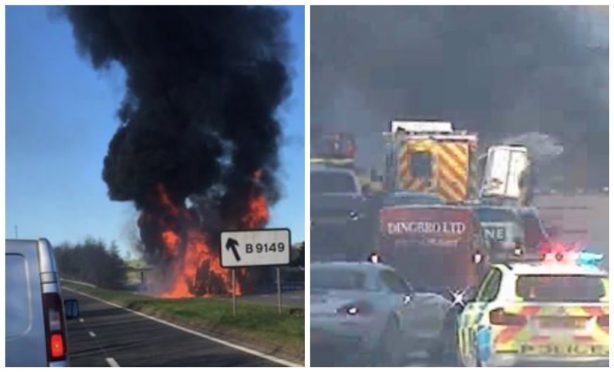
[{"x": 71, "y": 309}]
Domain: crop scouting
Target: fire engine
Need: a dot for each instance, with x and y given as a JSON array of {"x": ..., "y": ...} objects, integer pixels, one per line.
[
  {"x": 430, "y": 156},
  {"x": 334, "y": 149}
]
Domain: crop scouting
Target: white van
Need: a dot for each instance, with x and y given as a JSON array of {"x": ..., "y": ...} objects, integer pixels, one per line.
[
  {"x": 504, "y": 166},
  {"x": 35, "y": 322}
]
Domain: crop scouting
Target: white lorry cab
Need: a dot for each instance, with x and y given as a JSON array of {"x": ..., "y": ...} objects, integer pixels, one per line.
[{"x": 503, "y": 171}]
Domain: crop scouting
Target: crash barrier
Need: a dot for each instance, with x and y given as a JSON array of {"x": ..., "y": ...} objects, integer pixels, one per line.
[{"x": 78, "y": 282}]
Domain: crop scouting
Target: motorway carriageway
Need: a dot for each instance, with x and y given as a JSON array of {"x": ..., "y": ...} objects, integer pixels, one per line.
[{"x": 109, "y": 335}]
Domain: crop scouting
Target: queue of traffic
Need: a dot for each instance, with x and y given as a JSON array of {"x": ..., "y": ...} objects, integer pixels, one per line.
[{"x": 466, "y": 274}]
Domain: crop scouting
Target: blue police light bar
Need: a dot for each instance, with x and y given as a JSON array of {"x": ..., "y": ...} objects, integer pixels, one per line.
[{"x": 589, "y": 259}]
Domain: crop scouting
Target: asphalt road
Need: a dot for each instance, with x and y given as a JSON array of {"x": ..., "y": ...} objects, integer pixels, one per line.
[
  {"x": 108, "y": 336},
  {"x": 412, "y": 359}
]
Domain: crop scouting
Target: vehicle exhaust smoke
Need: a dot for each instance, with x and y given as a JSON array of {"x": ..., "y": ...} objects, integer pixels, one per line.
[{"x": 197, "y": 124}]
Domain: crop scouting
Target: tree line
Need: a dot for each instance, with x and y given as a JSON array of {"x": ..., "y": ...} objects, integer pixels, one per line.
[{"x": 92, "y": 261}]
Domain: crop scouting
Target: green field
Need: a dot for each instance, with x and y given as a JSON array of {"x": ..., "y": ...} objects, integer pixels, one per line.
[{"x": 257, "y": 326}]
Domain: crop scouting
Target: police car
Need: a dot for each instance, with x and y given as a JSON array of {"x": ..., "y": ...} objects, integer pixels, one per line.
[{"x": 547, "y": 313}]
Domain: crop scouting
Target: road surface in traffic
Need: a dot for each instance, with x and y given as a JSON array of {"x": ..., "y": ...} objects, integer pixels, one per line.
[{"x": 110, "y": 336}]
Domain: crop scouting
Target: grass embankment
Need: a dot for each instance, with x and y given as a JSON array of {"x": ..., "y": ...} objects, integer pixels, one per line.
[{"x": 256, "y": 326}]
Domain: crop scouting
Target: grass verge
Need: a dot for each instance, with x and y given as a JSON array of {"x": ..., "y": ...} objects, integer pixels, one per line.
[{"x": 257, "y": 326}]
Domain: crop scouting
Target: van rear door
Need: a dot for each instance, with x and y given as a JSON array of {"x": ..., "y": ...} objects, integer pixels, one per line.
[
  {"x": 503, "y": 169},
  {"x": 25, "y": 327}
]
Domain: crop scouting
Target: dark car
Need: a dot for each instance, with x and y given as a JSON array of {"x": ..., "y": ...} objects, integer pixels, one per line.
[{"x": 341, "y": 228}]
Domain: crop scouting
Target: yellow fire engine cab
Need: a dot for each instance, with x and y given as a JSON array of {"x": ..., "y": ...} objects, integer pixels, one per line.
[{"x": 430, "y": 156}]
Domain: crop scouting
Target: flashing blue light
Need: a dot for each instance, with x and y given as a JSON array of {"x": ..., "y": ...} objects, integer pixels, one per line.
[{"x": 589, "y": 259}]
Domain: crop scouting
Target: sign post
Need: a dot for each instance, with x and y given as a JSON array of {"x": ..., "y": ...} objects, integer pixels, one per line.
[
  {"x": 234, "y": 293},
  {"x": 247, "y": 248},
  {"x": 278, "y": 290}
]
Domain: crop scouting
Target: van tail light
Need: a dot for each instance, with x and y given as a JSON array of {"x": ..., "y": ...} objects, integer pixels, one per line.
[
  {"x": 54, "y": 327},
  {"x": 500, "y": 317},
  {"x": 603, "y": 320},
  {"x": 56, "y": 346}
]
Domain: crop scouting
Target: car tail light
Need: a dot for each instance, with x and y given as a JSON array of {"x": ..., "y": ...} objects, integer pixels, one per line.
[
  {"x": 603, "y": 320},
  {"x": 500, "y": 317},
  {"x": 54, "y": 326}
]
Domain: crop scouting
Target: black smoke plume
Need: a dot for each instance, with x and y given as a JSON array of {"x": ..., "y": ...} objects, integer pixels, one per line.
[
  {"x": 501, "y": 71},
  {"x": 202, "y": 87}
]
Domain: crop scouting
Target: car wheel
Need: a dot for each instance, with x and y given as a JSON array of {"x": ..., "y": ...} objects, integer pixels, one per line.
[{"x": 390, "y": 352}]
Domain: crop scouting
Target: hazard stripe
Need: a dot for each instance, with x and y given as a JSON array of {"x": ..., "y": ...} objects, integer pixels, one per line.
[
  {"x": 446, "y": 194},
  {"x": 450, "y": 192},
  {"x": 453, "y": 161},
  {"x": 593, "y": 310},
  {"x": 452, "y": 172},
  {"x": 452, "y": 181},
  {"x": 508, "y": 334},
  {"x": 458, "y": 152},
  {"x": 417, "y": 184},
  {"x": 512, "y": 332},
  {"x": 455, "y": 174},
  {"x": 404, "y": 168}
]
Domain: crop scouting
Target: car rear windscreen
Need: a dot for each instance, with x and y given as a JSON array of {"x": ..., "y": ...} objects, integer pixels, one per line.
[
  {"x": 338, "y": 279},
  {"x": 561, "y": 288},
  {"x": 412, "y": 199},
  {"x": 495, "y": 215},
  {"x": 332, "y": 182},
  {"x": 18, "y": 306}
]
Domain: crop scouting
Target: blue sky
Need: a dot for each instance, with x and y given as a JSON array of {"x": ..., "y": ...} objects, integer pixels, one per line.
[{"x": 60, "y": 116}]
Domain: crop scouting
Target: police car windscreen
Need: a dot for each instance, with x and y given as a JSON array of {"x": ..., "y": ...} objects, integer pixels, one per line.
[
  {"x": 338, "y": 279},
  {"x": 561, "y": 288},
  {"x": 332, "y": 182}
]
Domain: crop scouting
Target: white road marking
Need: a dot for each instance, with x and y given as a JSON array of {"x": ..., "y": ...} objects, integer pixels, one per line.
[
  {"x": 92, "y": 334},
  {"x": 195, "y": 333},
  {"x": 112, "y": 362},
  {"x": 81, "y": 320}
]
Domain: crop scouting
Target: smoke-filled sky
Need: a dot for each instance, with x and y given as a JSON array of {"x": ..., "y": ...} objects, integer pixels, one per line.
[
  {"x": 62, "y": 114},
  {"x": 501, "y": 71}
]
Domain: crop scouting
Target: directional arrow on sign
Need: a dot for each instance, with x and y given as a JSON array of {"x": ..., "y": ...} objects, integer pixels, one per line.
[{"x": 232, "y": 244}]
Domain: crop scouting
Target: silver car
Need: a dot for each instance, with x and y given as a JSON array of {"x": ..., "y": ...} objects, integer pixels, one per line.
[
  {"x": 35, "y": 322},
  {"x": 365, "y": 313}
]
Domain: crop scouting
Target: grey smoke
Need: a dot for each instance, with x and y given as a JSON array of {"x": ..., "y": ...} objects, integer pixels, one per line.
[
  {"x": 542, "y": 147},
  {"x": 501, "y": 71}
]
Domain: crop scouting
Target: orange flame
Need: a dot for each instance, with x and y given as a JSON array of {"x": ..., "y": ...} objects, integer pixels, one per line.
[
  {"x": 196, "y": 266},
  {"x": 258, "y": 211}
]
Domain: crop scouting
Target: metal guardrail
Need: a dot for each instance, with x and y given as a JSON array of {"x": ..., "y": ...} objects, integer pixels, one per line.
[{"x": 78, "y": 282}]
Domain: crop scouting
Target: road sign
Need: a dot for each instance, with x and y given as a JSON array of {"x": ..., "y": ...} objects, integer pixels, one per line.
[{"x": 243, "y": 248}]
